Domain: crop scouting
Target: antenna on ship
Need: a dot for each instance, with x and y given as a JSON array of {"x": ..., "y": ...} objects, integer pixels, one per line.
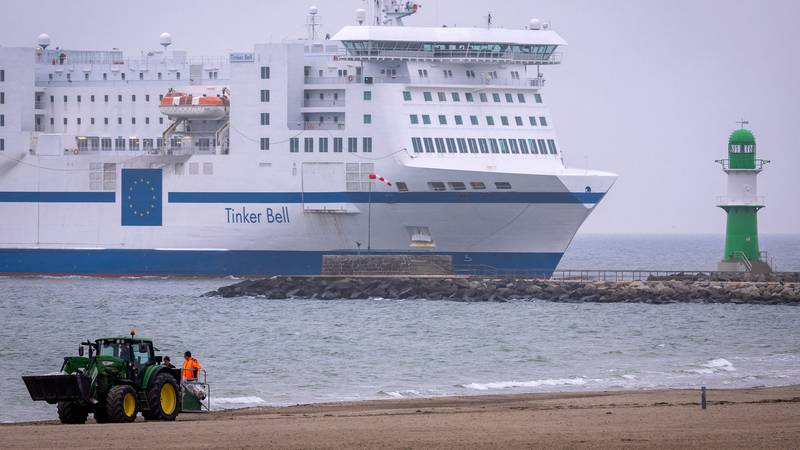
[
  {"x": 393, "y": 12},
  {"x": 488, "y": 20},
  {"x": 165, "y": 40},
  {"x": 43, "y": 41},
  {"x": 361, "y": 16},
  {"x": 313, "y": 22},
  {"x": 742, "y": 123}
]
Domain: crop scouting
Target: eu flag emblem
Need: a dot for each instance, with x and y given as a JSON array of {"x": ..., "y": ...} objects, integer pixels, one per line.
[{"x": 141, "y": 197}]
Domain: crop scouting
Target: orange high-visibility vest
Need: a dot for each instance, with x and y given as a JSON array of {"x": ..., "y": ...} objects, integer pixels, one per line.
[{"x": 191, "y": 368}]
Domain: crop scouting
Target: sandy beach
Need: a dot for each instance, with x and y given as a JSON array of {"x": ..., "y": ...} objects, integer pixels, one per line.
[{"x": 741, "y": 418}]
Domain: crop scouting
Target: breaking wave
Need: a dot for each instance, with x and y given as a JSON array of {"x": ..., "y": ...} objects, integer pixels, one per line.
[{"x": 525, "y": 384}]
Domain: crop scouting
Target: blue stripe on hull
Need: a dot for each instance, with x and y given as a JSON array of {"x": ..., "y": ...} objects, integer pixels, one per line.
[
  {"x": 57, "y": 197},
  {"x": 236, "y": 262},
  {"x": 385, "y": 197}
]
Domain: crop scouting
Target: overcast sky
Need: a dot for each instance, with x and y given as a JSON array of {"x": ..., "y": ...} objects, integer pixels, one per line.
[{"x": 647, "y": 89}]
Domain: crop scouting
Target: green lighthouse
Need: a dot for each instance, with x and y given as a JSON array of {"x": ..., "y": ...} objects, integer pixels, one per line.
[{"x": 742, "y": 204}]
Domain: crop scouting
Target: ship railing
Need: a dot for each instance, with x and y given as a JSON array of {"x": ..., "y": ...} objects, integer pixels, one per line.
[
  {"x": 454, "y": 55},
  {"x": 315, "y": 125},
  {"x": 405, "y": 79},
  {"x": 323, "y": 103},
  {"x": 755, "y": 200}
]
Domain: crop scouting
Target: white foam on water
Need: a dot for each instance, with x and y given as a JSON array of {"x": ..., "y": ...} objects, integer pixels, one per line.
[
  {"x": 714, "y": 366},
  {"x": 407, "y": 393},
  {"x": 237, "y": 402},
  {"x": 526, "y": 384}
]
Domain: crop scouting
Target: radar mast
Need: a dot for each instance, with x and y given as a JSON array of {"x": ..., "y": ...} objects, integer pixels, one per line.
[{"x": 392, "y": 12}]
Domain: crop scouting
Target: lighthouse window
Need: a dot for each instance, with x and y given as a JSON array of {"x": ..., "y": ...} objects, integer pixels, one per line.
[
  {"x": 473, "y": 145},
  {"x": 551, "y": 144},
  {"x": 523, "y": 145},
  {"x": 451, "y": 145},
  {"x": 502, "y": 185},
  {"x": 426, "y": 119},
  {"x": 308, "y": 145},
  {"x": 439, "y": 145},
  {"x": 532, "y": 120},
  {"x": 264, "y": 95},
  {"x": 542, "y": 121},
  {"x": 264, "y": 118},
  {"x": 473, "y": 120},
  {"x": 427, "y": 96},
  {"x": 442, "y": 120},
  {"x": 264, "y": 143},
  {"x": 352, "y": 145},
  {"x": 416, "y": 143},
  {"x": 294, "y": 145},
  {"x": 462, "y": 145},
  {"x": 468, "y": 97},
  {"x": 264, "y": 72},
  {"x": 459, "y": 120},
  {"x": 337, "y": 145},
  {"x": 428, "y": 144},
  {"x": 79, "y": 99},
  {"x": 407, "y": 96},
  {"x": 414, "y": 119},
  {"x": 367, "y": 145},
  {"x": 441, "y": 96}
]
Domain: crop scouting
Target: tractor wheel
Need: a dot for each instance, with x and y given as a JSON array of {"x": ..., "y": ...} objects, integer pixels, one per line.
[
  {"x": 72, "y": 413},
  {"x": 163, "y": 398},
  {"x": 121, "y": 404}
]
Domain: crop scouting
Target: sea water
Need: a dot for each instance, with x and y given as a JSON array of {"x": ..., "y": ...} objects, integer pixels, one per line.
[{"x": 278, "y": 352}]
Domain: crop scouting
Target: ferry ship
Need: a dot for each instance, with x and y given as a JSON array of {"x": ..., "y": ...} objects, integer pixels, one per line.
[{"x": 383, "y": 139}]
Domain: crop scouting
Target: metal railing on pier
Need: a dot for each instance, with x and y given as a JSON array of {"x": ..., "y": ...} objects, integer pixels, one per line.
[{"x": 582, "y": 275}]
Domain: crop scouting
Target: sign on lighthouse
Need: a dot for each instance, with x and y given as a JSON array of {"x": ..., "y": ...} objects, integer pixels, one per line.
[{"x": 742, "y": 205}]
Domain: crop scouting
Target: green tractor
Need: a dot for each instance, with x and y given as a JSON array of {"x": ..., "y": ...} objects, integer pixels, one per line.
[{"x": 121, "y": 377}]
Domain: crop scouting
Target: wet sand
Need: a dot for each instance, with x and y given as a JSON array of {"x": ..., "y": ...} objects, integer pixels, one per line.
[{"x": 742, "y": 418}]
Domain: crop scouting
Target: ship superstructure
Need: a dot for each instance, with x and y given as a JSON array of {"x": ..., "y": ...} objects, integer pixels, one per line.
[{"x": 259, "y": 162}]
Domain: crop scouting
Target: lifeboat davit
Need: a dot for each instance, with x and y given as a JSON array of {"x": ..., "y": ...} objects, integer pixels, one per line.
[{"x": 187, "y": 106}]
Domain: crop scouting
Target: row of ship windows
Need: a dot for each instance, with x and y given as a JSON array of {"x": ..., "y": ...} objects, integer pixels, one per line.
[
  {"x": 79, "y": 121},
  {"x": 322, "y": 145},
  {"x": 212, "y": 75},
  {"x": 106, "y": 98},
  {"x": 473, "y": 120},
  {"x": 469, "y": 97},
  {"x": 484, "y": 145},
  {"x": 456, "y": 185},
  {"x": 94, "y": 143}
]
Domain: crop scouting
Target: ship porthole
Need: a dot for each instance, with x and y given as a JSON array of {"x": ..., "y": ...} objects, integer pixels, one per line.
[{"x": 588, "y": 189}]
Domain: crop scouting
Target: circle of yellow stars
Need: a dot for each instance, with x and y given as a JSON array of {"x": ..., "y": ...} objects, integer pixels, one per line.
[{"x": 142, "y": 191}]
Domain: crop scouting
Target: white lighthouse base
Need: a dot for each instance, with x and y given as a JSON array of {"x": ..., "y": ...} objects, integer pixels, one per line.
[{"x": 736, "y": 265}]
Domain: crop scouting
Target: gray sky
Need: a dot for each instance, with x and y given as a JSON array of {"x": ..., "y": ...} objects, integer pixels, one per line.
[{"x": 648, "y": 89}]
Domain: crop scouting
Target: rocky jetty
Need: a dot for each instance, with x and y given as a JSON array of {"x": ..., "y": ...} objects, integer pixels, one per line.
[{"x": 488, "y": 289}]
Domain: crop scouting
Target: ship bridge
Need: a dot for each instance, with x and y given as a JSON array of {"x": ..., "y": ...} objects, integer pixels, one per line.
[{"x": 445, "y": 44}]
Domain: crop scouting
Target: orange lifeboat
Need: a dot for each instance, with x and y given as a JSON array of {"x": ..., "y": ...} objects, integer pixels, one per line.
[{"x": 180, "y": 105}]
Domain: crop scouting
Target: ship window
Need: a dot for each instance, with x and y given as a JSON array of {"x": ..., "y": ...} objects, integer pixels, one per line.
[
  {"x": 513, "y": 144},
  {"x": 105, "y": 98},
  {"x": 178, "y": 168},
  {"x": 468, "y": 97},
  {"x": 483, "y": 146},
  {"x": 542, "y": 121},
  {"x": 146, "y": 121},
  {"x": 294, "y": 145},
  {"x": 504, "y": 120},
  {"x": 426, "y": 119},
  {"x": 493, "y": 146},
  {"x": 537, "y": 98},
  {"x": 91, "y": 98},
  {"x": 503, "y": 146},
  {"x": 161, "y": 121},
  {"x": 208, "y": 168},
  {"x": 414, "y": 119},
  {"x": 436, "y": 186},
  {"x": 416, "y": 143},
  {"x": 2, "y": 144},
  {"x": 542, "y": 146},
  {"x": 105, "y": 144},
  {"x": 264, "y": 143},
  {"x": 105, "y": 76},
  {"x": 533, "y": 146},
  {"x": 482, "y": 96},
  {"x": 401, "y": 186},
  {"x": 367, "y": 118},
  {"x": 518, "y": 120},
  {"x": 532, "y": 120},
  {"x": 177, "y": 76},
  {"x": 2, "y": 75},
  {"x": 105, "y": 121},
  {"x": 473, "y": 145},
  {"x": 509, "y": 98},
  {"x": 119, "y": 143},
  {"x": 473, "y": 120},
  {"x": 147, "y": 144},
  {"x": 551, "y": 144},
  {"x": 65, "y": 99},
  {"x": 455, "y": 96},
  {"x": 523, "y": 145},
  {"x": 367, "y": 145},
  {"x": 159, "y": 75},
  {"x": 457, "y": 185},
  {"x": 133, "y": 120},
  {"x": 123, "y": 75},
  {"x": 134, "y": 144},
  {"x": 462, "y": 145},
  {"x": 459, "y": 120},
  {"x": 264, "y": 95},
  {"x": 52, "y": 121},
  {"x": 441, "y": 96},
  {"x": 193, "y": 168},
  {"x": 119, "y": 98},
  {"x": 264, "y": 118},
  {"x": 352, "y": 145},
  {"x": 79, "y": 120},
  {"x": 428, "y": 144},
  {"x": 451, "y": 145},
  {"x": 337, "y": 145},
  {"x": 79, "y": 98},
  {"x": 264, "y": 72},
  {"x": 52, "y": 99},
  {"x": 91, "y": 121},
  {"x": 521, "y": 98},
  {"x": 478, "y": 185},
  {"x": 308, "y": 145},
  {"x": 502, "y": 185},
  {"x": 3, "y": 122},
  {"x": 496, "y": 97},
  {"x": 442, "y": 120},
  {"x": 439, "y": 145},
  {"x": 175, "y": 142},
  {"x": 489, "y": 120},
  {"x": 427, "y": 96},
  {"x": 407, "y": 96},
  {"x": 367, "y": 95}
]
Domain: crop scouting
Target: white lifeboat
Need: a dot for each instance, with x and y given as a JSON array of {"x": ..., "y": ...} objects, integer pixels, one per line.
[{"x": 187, "y": 106}]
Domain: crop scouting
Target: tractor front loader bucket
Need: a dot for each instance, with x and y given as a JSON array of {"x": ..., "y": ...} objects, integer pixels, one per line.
[{"x": 56, "y": 388}]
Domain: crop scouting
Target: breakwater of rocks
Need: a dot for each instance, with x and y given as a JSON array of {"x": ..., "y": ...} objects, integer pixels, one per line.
[{"x": 488, "y": 289}]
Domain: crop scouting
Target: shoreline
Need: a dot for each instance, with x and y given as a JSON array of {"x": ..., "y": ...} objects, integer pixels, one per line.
[{"x": 735, "y": 418}]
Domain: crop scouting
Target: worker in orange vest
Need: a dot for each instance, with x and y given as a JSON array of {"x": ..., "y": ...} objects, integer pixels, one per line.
[{"x": 191, "y": 368}]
